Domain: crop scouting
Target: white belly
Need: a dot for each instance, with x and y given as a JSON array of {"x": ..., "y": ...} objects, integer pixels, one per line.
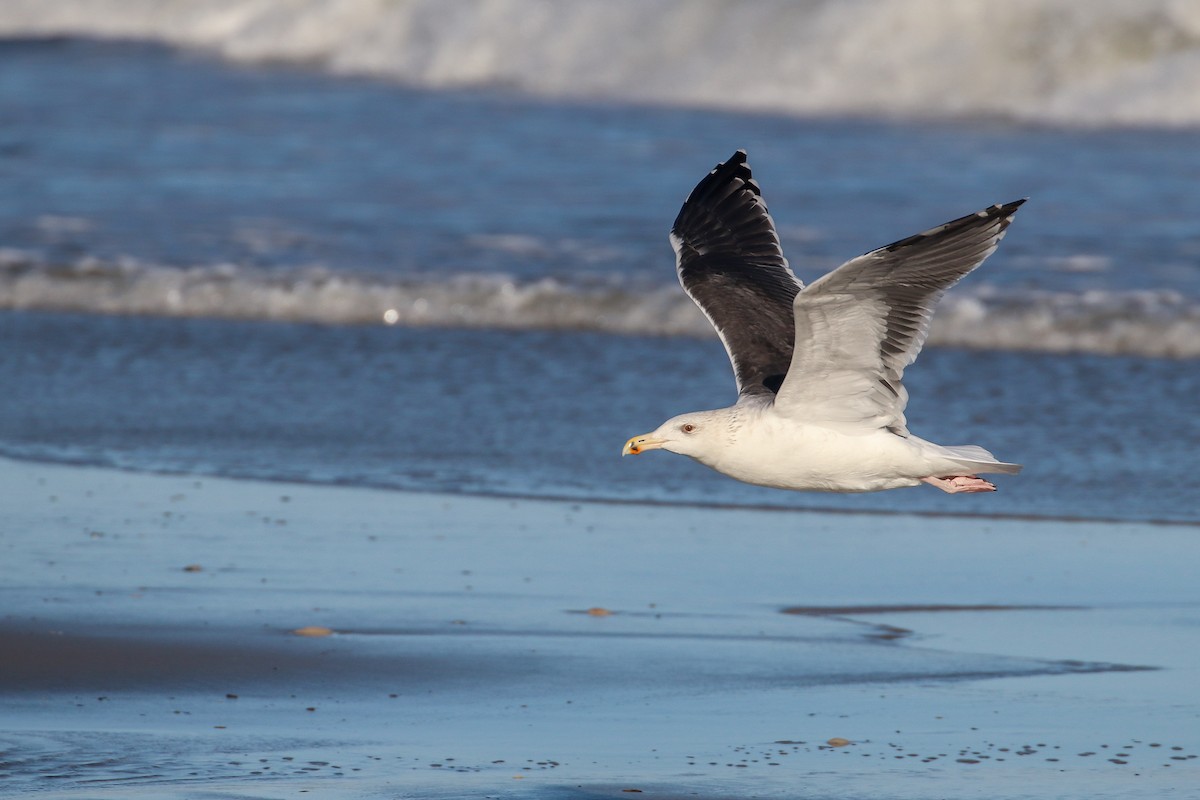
[{"x": 785, "y": 455}]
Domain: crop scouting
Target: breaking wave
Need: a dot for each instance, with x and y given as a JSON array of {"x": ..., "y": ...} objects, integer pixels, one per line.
[
  {"x": 1146, "y": 323},
  {"x": 1077, "y": 62}
]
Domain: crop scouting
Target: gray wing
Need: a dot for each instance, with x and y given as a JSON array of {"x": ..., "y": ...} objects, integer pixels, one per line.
[
  {"x": 730, "y": 263},
  {"x": 858, "y": 327}
]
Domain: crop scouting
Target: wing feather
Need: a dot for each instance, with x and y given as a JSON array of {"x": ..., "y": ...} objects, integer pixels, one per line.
[
  {"x": 861, "y": 325},
  {"x": 730, "y": 262}
]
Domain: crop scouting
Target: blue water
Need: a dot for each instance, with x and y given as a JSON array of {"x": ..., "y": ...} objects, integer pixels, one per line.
[
  {"x": 546, "y": 413},
  {"x": 122, "y": 153},
  {"x": 174, "y": 159}
]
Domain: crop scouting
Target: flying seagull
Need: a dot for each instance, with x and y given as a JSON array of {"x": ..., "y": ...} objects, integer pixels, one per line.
[{"x": 819, "y": 369}]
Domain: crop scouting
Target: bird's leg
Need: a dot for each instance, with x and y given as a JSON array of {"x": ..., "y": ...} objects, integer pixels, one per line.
[{"x": 953, "y": 484}]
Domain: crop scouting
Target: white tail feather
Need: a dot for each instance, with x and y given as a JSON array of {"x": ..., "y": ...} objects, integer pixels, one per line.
[{"x": 977, "y": 459}]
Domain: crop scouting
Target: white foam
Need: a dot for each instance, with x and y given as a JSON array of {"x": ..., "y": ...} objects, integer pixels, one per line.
[
  {"x": 1146, "y": 323},
  {"x": 1079, "y": 62}
]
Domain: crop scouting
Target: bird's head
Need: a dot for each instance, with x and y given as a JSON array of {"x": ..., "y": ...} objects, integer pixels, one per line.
[{"x": 687, "y": 434}]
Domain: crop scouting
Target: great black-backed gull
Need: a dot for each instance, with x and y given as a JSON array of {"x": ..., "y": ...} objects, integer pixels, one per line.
[{"x": 820, "y": 399}]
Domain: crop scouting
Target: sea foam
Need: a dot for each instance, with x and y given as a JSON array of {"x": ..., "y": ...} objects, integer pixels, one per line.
[
  {"x": 1076, "y": 62},
  {"x": 1146, "y": 323}
]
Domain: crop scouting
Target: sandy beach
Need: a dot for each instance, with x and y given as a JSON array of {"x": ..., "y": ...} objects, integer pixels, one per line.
[{"x": 485, "y": 647}]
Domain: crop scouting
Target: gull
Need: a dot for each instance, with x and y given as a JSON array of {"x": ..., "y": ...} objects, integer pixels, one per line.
[{"x": 819, "y": 369}]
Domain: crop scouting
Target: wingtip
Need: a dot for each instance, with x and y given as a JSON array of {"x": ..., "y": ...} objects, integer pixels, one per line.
[
  {"x": 1000, "y": 215},
  {"x": 1006, "y": 212},
  {"x": 729, "y": 175},
  {"x": 1002, "y": 209},
  {"x": 737, "y": 160}
]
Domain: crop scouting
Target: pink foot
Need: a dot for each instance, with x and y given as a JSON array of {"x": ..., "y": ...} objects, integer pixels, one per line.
[{"x": 953, "y": 484}]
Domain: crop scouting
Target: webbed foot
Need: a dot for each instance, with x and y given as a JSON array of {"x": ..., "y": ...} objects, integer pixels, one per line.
[{"x": 953, "y": 484}]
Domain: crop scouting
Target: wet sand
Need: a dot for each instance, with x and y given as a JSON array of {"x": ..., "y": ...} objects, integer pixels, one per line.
[{"x": 484, "y": 647}]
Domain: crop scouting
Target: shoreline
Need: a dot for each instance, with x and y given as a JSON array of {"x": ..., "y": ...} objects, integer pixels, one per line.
[{"x": 612, "y": 501}]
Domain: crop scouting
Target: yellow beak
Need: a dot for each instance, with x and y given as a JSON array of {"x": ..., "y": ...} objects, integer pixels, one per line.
[{"x": 644, "y": 442}]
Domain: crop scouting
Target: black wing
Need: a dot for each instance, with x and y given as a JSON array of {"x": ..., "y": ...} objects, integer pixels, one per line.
[{"x": 731, "y": 264}]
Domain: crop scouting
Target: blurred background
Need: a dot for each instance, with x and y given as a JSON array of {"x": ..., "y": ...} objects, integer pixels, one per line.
[{"x": 422, "y": 245}]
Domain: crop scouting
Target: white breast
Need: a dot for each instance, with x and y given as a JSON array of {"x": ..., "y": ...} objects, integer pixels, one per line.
[{"x": 770, "y": 450}]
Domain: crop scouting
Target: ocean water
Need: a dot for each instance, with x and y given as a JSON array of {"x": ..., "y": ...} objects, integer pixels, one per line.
[{"x": 198, "y": 259}]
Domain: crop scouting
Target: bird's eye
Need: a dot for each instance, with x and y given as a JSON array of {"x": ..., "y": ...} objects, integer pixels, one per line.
[{"x": 688, "y": 428}]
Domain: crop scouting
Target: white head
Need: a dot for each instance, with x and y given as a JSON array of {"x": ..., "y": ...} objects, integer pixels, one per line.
[{"x": 697, "y": 434}]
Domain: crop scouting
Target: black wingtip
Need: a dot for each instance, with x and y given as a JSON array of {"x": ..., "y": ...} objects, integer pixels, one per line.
[
  {"x": 1008, "y": 209},
  {"x": 734, "y": 166},
  {"x": 1003, "y": 212},
  {"x": 732, "y": 174},
  {"x": 1006, "y": 212},
  {"x": 725, "y": 213}
]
